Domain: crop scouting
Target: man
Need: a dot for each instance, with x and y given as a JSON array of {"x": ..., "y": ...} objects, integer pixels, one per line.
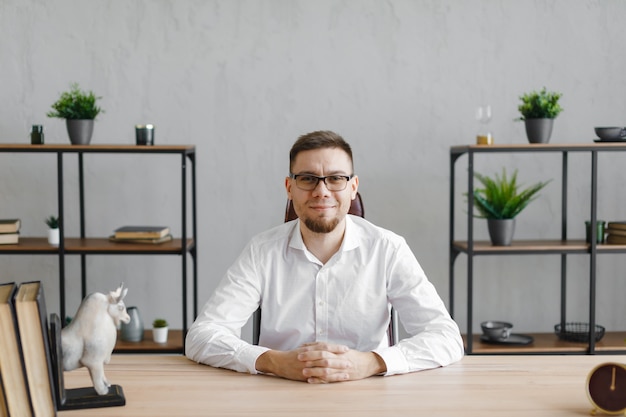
[{"x": 325, "y": 284}]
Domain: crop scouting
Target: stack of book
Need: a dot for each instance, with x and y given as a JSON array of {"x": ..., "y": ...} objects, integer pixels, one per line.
[
  {"x": 31, "y": 370},
  {"x": 142, "y": 234},
  {"x": 9, "y": 231},
  {"x": 616, "y": 233}
]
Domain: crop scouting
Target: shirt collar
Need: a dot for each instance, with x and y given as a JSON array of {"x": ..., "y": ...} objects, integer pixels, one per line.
[{"x": 350, "y": 240}]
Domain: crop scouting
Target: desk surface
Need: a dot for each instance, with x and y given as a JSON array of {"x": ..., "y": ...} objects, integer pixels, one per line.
[{"x": 159, "y": 385}]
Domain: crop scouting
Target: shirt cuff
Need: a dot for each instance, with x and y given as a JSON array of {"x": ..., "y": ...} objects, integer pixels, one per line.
[
  {"x": 394, "y": 360},
  {"x": 248, "y": 356}
]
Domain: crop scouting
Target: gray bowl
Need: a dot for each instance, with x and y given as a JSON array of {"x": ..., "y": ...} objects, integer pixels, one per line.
[
  {"x": 496, "y": 330},
  {"x": 611, "y": 133}
]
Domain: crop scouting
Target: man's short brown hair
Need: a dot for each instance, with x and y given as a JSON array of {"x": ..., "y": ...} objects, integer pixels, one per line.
[{"x": 318, "y": 140}]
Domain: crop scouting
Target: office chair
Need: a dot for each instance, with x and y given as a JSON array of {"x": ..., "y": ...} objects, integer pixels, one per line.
[{"x": 357, "y": 209}]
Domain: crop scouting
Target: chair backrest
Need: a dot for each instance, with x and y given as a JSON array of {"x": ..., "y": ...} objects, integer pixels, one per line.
[{"x": 357, "y": 209}]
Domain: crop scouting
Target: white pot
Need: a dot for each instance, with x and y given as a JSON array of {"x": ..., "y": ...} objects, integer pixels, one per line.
[
  {"x": 53, "y": 237},
  {"x": 159, "y": 334}
]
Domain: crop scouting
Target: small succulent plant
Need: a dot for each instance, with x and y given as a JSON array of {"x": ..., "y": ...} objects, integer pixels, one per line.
[
  {"x": 52, "y": 222},
  {"x": 157, "y": 323}
]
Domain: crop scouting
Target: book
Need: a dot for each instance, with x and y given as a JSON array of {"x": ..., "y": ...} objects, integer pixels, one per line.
[
  {"x": 616, "y": 240},
  {"x": 9, "y": 238},
  {"x": 620, "y": 225},
  {"x": 12, "y": 371},
  {"x": 154, "y": 241},
  {"x": 618, "y": 232},
  {"x": 141, "y": 232},
  {"x": 76, "y": 398},
  {"x": 4, "y": 411},
  {"x": 9, "y": 225},
  {"x": 32, "y": 322}
]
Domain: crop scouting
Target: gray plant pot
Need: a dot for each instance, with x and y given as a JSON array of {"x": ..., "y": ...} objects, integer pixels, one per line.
[
  {"x": 538, "y": 130},
  {"x": 80, "y": 130},
  {"x": 501, "y": 231}
]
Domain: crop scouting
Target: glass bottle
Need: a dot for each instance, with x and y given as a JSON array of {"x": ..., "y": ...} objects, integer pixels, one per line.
[{"x": 483, "y": 115}]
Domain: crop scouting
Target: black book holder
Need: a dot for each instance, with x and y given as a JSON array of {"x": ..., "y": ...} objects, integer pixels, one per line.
[{"x": 76, "y": 398}]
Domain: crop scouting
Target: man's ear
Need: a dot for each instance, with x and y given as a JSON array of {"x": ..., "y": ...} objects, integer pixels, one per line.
[
  {"x": 288, "y": 187},
  {"x": 355, "y": 186}
]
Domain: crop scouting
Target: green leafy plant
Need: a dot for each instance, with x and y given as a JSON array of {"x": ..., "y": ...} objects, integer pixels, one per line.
[
  {"x": 157, "y": 323},
  {"x": 499, "y": 198},
  {"x": 540, "y": 105},
  {"x": 52, "y": 222},
  {"x": 76, "y": 104}
]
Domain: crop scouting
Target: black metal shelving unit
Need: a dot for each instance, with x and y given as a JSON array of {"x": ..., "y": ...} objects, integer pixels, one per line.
[
  {"x": 83, "y": 246},
  {"x": 562, "y": 246}
]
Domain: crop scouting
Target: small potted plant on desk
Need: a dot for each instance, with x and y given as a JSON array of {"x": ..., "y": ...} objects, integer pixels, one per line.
[
  {"x": 79, "y": 110},
  {"x": 539, "y": 109},
  {"x": 499, "y": 201},
  {"x": 159, "y": 330},
  {"x": 53, "y": 230}
]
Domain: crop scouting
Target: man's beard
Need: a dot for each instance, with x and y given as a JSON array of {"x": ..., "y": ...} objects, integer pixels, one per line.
[{"x": 320, "y": 225}]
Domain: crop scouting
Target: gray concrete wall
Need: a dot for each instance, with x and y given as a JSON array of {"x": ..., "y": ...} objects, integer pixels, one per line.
[{"x": 242, "y": 79}]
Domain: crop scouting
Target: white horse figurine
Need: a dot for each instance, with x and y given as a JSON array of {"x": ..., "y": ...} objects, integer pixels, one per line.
[{"x": 90, "y": 337}]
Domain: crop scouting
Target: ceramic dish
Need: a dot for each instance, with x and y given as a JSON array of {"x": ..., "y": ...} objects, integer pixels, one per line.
[
  {"x": 609, "y": 140},
  {"x": 513, "y": 339},
  {"x": 611, "y": 133}
]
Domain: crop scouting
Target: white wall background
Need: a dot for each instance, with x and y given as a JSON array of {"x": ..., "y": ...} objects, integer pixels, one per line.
[{"x": 243, "y": 79}]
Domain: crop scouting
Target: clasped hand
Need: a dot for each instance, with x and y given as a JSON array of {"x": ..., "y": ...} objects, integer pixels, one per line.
[{"x": 320, "y": 362}]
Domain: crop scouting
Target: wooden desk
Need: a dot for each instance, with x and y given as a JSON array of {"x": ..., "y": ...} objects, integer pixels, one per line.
[{"x": 480, "y": 386}]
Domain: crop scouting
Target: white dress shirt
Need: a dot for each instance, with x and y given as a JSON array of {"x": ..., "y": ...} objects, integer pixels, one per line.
[{"x": 345, "y": 301}]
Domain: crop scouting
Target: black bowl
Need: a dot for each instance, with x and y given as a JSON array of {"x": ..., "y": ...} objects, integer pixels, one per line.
[{"x": 577, "y": 332}]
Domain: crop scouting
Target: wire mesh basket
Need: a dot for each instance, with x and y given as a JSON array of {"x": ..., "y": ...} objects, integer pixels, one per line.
[{"x": 577, "y": 332}]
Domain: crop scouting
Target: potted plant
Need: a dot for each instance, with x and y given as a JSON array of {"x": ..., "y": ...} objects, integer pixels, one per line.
[
  {"x": 53, "y": 230},
  {"x": 539, "y": 109},
  {"x": 159, "y": 330},
  {"x": 79, "y": 110},
  {"x": 499, "y": 201}
]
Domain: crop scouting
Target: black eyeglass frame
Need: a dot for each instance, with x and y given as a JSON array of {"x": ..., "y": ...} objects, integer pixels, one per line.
[{"x": 323, "y": 179}]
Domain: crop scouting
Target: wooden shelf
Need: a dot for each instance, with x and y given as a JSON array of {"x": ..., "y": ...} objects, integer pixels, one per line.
[
  {"x": 539, "y": 147},
  {"x": 174, "y": 344},
  {"x": 96, "y": 245},
  {"x": 550, "y": 343},
  {"x": 104, "y": 245},
  {"x": 31, "y": 245},
  {"x": 95, "y": 148},
  {"x": 549, "y": 246}
]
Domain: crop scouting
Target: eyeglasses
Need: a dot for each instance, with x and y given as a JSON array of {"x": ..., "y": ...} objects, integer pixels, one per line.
[{"x": 308, "y": 182}]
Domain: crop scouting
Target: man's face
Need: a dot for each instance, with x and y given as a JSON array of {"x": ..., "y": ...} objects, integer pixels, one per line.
[{"x": 322, "y": 210}]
